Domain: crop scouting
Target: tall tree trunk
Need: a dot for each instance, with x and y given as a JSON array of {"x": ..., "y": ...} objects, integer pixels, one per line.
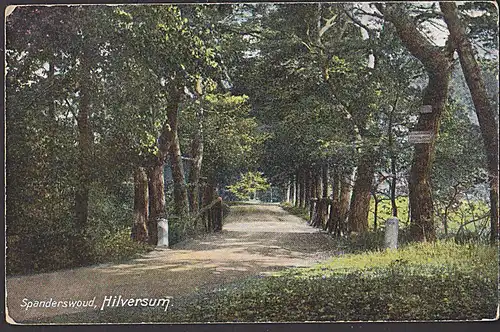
[
  {"x": 345, "y": 196},
  {"x": 156, "y": 184},
  {"x": 209, "y": 194},
  {"x": 438, "y": 66},
  {"x": 195, "y": 171},
  {"x": 85, "y": 157},
  {"x": 289, "y": 190},
  {"x": 484, "y": 108},
  {"x": 324, "y": 179},
  {"x": 141, "y": 197},
  {"x": 181, "y": 201},
  {"x": 393, "y": 181},
  {"x": 156, "y": 200},
  {"x": 297, "y": 190},
  {"x": 375, "y": 211},
  {"x": 302, "y": 188},
  {"x": 360, "y": 201},
  {"x": 307, "y": 186},
  {"x": 333, "y": 219},
  {"x": 294, "y": 189},
  {"x": 319, "y": 185}
]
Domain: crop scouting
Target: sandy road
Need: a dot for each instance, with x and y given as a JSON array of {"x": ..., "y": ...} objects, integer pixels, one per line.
[{"x": 256, "y": 239}]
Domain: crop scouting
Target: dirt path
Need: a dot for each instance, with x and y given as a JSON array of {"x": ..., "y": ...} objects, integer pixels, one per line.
[{"x": 256, "y": 239}]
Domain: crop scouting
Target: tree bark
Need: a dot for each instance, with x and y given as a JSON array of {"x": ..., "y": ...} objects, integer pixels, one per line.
[
  {"x": 141, "y": 198},
  {"x": 156, "y": 200},
  {"x": 302, "y": 188},
  {"x": 297, "y": 189},
  {"x": 181, "y": 201},
  {"x": 319, "y": 185},
  {"x": 393, "y": 181},
  {"x": 375, "y": 211},
  {"x": 484, "y": 108},
  {"x": 307, "y": 187},
  {"x": 324, "y": 179},
  {"x": 195, "y": 171},
  {"x": 333, "y": 219},
  {"x": 156, "y": 186},
  {"x": 209, "y": 194},
  {"x": 289, "y": 190},
  {"x": 360, "y": 201},
  {"x": 438, "y": 67},
  {"x": 345, "y": 195},
  {"x": 84, "y": 145},
  {"x": 85, "y": 139}
]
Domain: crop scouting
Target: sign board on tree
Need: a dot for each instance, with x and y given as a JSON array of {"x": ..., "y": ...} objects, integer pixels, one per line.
[
  {"x": 426, "y": 109},
  {"x": 420, "y": 137}
]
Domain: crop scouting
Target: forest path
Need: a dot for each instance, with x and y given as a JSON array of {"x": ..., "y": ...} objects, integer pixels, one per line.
[{"x": 256, "y": 239}]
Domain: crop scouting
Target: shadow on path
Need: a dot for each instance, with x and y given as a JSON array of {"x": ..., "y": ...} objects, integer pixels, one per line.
[{"x": 256, "y": 239}]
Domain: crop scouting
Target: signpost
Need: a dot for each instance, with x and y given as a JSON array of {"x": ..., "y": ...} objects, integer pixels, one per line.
[
  {"x": 420, "y": 137},
  {"x": 426, "y": 109}
]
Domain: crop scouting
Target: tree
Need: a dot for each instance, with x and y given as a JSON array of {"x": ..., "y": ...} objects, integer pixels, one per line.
[
  {"x": 437, "y": 63},
  {"x": 248, "y": 185},
  {"x": 486, "y": 114}
]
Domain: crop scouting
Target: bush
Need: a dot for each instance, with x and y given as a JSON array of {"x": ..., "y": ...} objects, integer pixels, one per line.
[{"x": 117, "y": 247}]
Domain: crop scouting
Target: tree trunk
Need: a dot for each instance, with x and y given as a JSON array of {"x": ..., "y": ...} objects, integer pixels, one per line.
[
  {"x": 209, "y": 194},
  {"x": 484, "y": 108},
  {"x": 297, "y": 189},
  {"x": 156, "y": 184},
  {"x": 438, "y": 66},
  {"x": 140, "y": 227},
  {"x": 288, "y": 190},
  {"x": 324, "y": 179},
  {"x": 180, "y": 193},
  {"x": 393, "y": 182},
  {"x": 333, "y": 219},
  {"x": 319, "y": 185},
  {"x": 85, "y": 158},
  {"x": 307, "y": 187},
  {"x": 156, "y": 200},
  {"x": 302, "y": 188},
  {"x": 360, "y": 201},
  {"x": 345, "y": 195},
  {"x": 195, "y": 172},
  {"x": 375, "y": 211}
]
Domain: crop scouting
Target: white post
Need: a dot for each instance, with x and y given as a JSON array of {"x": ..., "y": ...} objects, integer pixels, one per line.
[
  {"x": 391, "y": 233},
  {"x": 162, "y": 232}
]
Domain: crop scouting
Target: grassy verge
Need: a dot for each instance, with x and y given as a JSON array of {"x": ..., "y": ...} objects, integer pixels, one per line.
[
  {"x": 442, "y": 281},
  {"x": 439, "y": 281},
  {"x": 296, "y": 210}
]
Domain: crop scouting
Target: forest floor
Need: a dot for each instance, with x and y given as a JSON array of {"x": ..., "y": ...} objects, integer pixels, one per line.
[{"x": 256, "y": 240}]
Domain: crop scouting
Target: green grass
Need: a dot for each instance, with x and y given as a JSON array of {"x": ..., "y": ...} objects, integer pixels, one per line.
[
  {"x": 441, "y": 281},
  {"x": 422, "y": 281},
  {"x": 296, "y": 210}
]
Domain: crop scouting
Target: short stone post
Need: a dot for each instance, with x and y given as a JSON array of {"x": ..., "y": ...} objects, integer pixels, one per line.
[
  {"x": 391, "y": 233},
  {"x": 162, "y": 232}
]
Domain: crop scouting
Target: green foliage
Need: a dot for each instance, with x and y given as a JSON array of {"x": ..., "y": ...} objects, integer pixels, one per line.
[
  {"x": 117, "y": 247},
  {"x": 248, "y": 185},
  {"x": 384, "y": 211}
]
